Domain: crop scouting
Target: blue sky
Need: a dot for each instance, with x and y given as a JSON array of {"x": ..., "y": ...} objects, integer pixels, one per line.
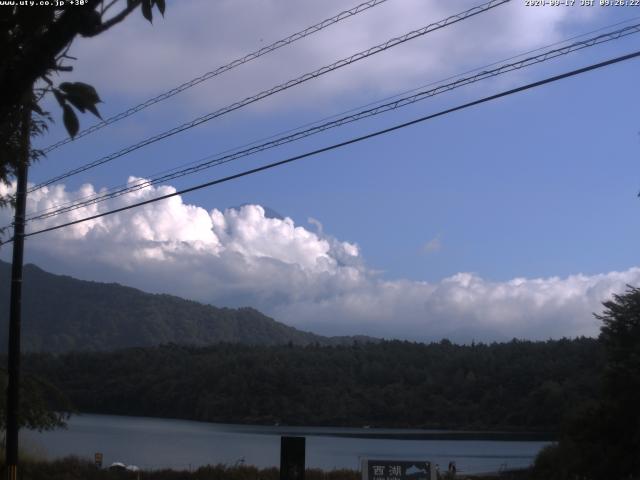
[{"x": 540, "y": 186}]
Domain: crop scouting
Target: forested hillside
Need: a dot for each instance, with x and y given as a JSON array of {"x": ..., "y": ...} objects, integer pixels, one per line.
[
  {"x": 62, "y": 314},
  {"x": 517, "y": 385}
]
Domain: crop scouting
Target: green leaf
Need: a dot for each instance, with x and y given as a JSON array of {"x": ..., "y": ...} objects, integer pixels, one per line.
[
  {"x": 146, "y": 10},
  {"x": 89, "y": 92},
  {"x": 70, "y": 120},
  {"x": 80, "y": 89},
  {"x": 94, "y": 110},
  {"x": 76, "y": 102},
  {"x": 82, "y": 96},
  {"x": 161, "y": 6}
]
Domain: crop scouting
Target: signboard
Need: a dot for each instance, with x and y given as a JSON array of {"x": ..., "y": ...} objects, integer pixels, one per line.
[
  {"x": 397, "y": 470},
  {"x": 98, "y": 459}
]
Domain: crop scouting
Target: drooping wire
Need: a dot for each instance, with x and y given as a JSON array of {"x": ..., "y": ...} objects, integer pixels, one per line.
[
  {"x": 218, "y": 159},
  {"x": 219, "y": 70},
  {"x": 351, "y": 141},
  {"x": 284, "y": 86},
  {"x": 337, "y": 115}
]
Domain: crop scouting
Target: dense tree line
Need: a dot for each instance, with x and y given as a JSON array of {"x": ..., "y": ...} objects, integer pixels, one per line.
[
  {"x": 37, "y": 396},
  {"x": 516, "y": 385},
  {"x": 601, "y": 440}
]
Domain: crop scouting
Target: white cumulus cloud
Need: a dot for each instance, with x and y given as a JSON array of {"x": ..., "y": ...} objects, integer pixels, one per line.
[{"x": 302, "y": 276}]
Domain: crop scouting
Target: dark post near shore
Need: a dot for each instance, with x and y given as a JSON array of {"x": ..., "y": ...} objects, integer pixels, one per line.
[
  {"x": 15, "y": 306},
  {"x": 292, "y": 461}
]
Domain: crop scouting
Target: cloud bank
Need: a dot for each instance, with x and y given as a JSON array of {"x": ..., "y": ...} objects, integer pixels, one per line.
[{"x": 301, "y": 275}]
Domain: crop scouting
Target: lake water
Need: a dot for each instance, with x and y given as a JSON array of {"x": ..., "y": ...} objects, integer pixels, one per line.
[{"x": 153, "y": 443}]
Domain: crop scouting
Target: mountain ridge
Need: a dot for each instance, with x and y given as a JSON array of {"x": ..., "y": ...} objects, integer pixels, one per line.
[{"x": 62, "y": 314}]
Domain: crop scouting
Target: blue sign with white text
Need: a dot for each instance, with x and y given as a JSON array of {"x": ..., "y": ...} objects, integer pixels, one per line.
[{"x": 398, "y": 470}]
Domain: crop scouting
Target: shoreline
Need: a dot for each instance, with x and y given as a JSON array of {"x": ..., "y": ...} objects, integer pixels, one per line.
[{"x": 359, "y": 432}]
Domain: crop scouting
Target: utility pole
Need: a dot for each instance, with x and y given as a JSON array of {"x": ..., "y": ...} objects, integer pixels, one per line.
[{"x": 13, "y": 387}]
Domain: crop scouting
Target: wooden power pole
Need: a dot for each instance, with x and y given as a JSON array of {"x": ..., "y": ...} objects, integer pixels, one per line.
[{"x": 15, "y": 307}]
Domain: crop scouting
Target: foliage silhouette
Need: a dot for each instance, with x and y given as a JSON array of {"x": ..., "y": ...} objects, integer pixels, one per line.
[
  {"x": 35, "y": 41},
  {"x": 603, "y": 440}
]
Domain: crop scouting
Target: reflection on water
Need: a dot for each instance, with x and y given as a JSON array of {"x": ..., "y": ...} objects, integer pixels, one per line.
[{"x": 159, "y": 443}]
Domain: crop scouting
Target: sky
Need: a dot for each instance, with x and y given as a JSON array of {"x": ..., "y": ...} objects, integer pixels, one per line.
[{"x": 514, "y": 218}]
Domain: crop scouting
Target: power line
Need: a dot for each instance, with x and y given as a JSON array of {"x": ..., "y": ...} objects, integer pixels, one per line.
[
  {"x": 219, "y": 70},
  {"x": 116, "y": 190},
  {"x": 212, "y": 161},
  {"x": 284, "y": 86},
  {"x": 113, "y": 193},
  {"x": 345, "y": 143},
  {"x": 484, "y": 67}
]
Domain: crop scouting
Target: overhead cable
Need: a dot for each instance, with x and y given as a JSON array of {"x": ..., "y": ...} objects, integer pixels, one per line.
[
  {"x": 284, "y": 86},
  {"x": 219, "y": 159},
  {"x": 351, "y": 141},
  {"x": 219, "y": 70}
]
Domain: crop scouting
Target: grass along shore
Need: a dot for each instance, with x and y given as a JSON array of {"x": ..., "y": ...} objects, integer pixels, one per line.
[{"x": 75, "y": 468}]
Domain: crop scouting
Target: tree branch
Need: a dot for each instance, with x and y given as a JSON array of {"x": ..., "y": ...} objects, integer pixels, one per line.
[
  {"x": 39, "y": 57},
  {"x": 116, "y": 19},
  {"x": 107, "y": 7}
]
